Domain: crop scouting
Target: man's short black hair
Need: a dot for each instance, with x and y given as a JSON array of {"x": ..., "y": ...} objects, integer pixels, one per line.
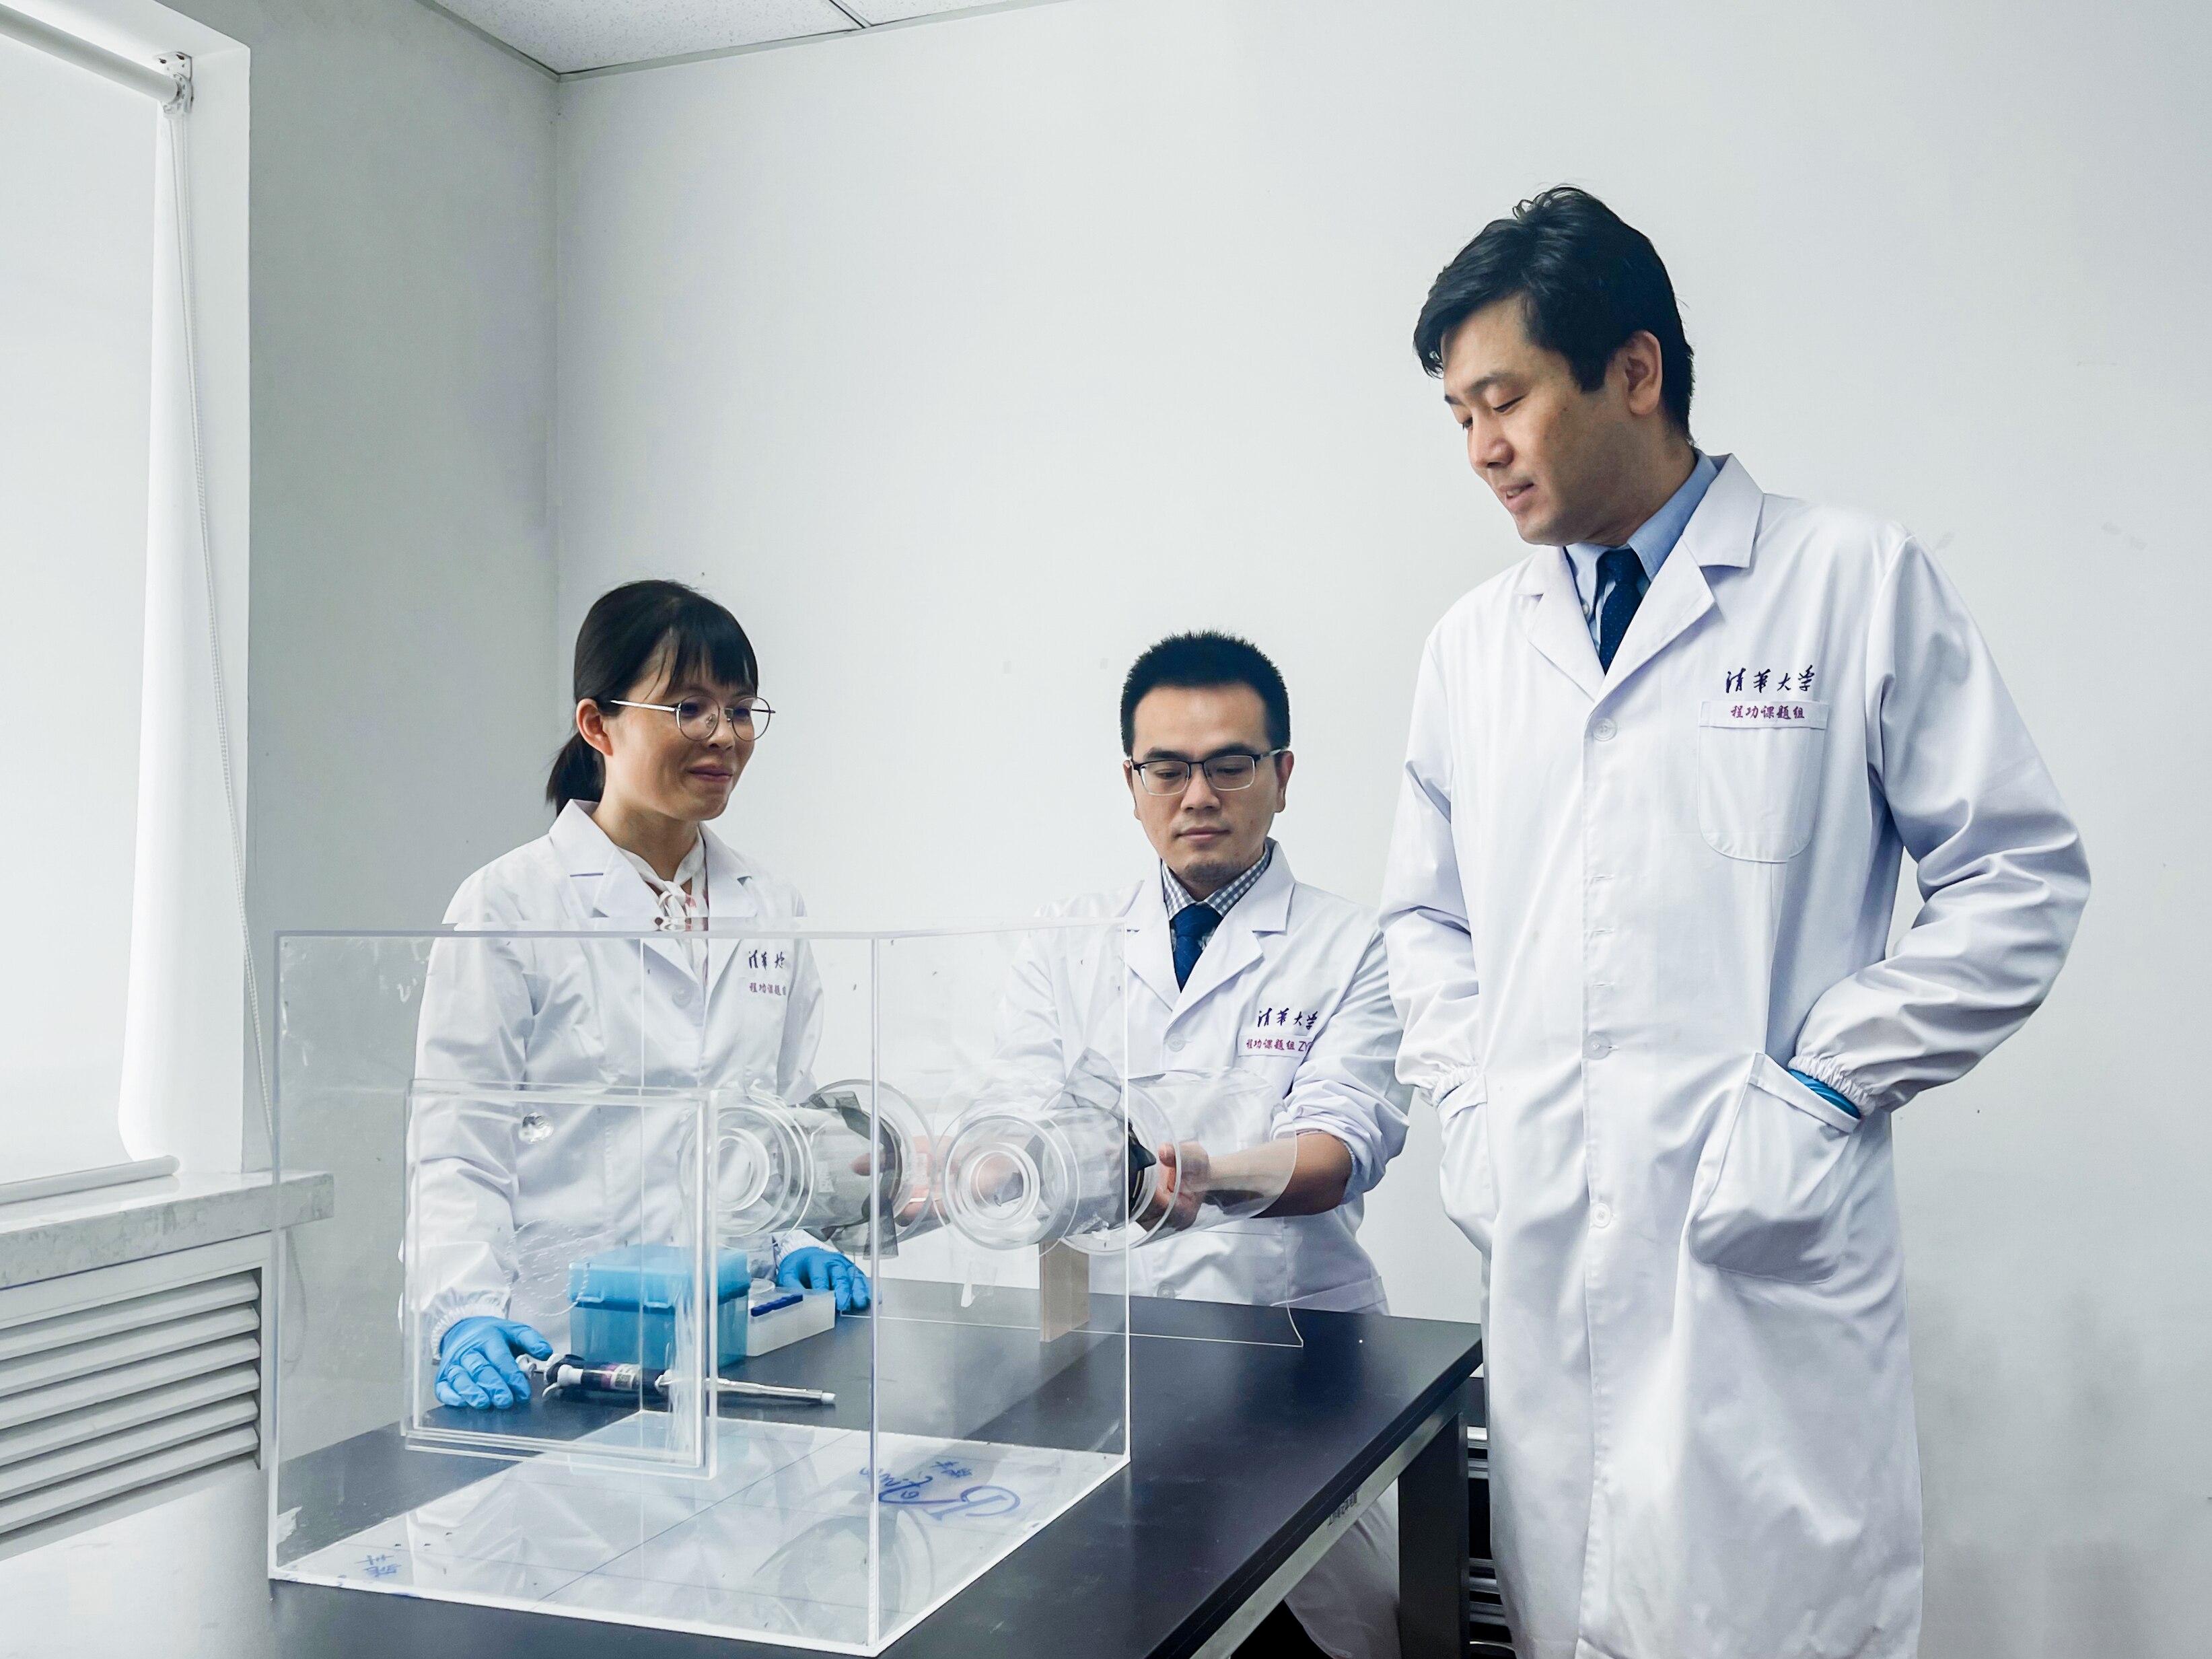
[
  {"x": 1587, "y": 280},
  {"x": 1192, "y": 661}
]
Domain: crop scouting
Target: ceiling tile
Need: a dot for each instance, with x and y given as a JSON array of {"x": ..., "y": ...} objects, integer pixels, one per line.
[
  {"x": 568, "y": 35},
  {"x": 898, "y": 11}
]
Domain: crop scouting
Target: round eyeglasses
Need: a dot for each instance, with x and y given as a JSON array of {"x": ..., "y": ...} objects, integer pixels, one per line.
[
  {"x": 1235, "y": 770},
  {"x": 698, "y": 720}
]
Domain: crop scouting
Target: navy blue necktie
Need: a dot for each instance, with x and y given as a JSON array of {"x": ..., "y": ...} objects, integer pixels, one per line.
[
  {"x": 1192, "y": 927},
  {"x": 1621, "y": 568}
]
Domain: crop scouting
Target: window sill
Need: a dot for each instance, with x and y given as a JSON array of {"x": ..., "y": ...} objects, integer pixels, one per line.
[{"x": 48, "y": 1238}]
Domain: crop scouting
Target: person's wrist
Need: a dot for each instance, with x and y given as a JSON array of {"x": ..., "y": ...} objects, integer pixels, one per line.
[
  {"x": 459, "y": 1332},
  {"x": 1835, "y": 1097}
]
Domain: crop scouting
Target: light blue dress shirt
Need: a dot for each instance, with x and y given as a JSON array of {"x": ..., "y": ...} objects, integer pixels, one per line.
[{"x": 1653, "y": 541}]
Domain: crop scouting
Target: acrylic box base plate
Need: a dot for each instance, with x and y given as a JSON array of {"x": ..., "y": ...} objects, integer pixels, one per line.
[{"x": 775, "y": 1544}]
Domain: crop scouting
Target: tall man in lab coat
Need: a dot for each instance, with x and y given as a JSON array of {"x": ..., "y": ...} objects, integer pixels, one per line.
[
  {"x": 1232, "y": 963},
  {"x": 1659, "y": 779}
]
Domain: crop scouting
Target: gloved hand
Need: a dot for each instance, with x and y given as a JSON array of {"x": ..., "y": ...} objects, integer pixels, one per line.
[
  {"x": 817, "y": 1269},
  {"x": 476, "y": 1362}
]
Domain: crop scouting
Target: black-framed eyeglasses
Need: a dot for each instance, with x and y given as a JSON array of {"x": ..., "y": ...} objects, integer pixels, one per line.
[
  {"x": 1235, "y": 770},
  {"x": 698, "y": 718}
]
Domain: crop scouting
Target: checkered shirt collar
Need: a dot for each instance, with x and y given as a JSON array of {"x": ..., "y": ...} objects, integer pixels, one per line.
[{"x": 1222, "y": 899}]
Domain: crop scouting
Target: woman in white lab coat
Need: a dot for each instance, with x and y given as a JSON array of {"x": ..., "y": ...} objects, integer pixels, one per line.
[{"x": 667, "y": 712}]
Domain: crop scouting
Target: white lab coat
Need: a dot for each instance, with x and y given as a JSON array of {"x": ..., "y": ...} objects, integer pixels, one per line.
[
  {"x": 497, "y": 1218},
  {"x": 1283, "y": 948},
  {"x": 1618, "y": 906}
]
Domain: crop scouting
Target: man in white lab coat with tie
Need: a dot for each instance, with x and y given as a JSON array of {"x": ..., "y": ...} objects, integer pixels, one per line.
[
  {"x": 1660, "y": 780},
  {"x": 1234, "y": 964}
]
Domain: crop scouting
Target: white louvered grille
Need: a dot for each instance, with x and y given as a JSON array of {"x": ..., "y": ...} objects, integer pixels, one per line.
[{"x": 114, "y": 1393}]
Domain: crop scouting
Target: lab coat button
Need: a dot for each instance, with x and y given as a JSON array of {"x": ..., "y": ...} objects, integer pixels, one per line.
[
  {"x": 1601, "y": 1216},
  {"x": 1603, "y": 731},
  {"x": 1597, "y": 1047},
  {"x": 1175, "y": 1045}
]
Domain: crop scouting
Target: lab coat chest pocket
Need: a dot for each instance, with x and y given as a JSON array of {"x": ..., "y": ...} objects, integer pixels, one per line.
[
  {"x": 1759, "y": 774},
  {"x": 1769, "y": 1196}
]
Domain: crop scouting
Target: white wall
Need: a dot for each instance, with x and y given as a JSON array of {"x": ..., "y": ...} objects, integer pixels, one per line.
[
  {"x": 963, "y": 361},
  {"x": 402, "y": 341}
]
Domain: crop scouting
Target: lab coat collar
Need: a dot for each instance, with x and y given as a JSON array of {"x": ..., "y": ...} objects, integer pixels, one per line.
[
  {"x": 603, "y": 879},
  {"x": 612, "y": 890},
  {"x": 1721, "y": 531},
  {"x": 1678, "y": 597},
  {"x": 729, "y": 893},
  {"x": 1719, "y": 534},
  {"x": 1551, "y": 616},
  {"x": 1267, "y": 907},
  {"x": 1234, "y": 947},
  {"x": 1146, "y": 943}
]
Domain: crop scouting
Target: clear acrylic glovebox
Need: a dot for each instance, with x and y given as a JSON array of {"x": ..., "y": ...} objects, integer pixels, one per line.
[{"x": 612, "y": 1139}]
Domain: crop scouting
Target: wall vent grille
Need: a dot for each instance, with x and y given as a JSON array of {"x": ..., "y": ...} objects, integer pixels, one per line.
[{"x": 123, "y": 1388}]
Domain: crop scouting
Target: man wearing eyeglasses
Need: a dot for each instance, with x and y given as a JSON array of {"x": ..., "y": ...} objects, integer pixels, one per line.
[{"x": 1232, "y": 963}]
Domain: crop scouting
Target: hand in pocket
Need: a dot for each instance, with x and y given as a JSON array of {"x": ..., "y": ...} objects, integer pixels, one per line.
[
  {"x": 1469, "y": 1182},
  {"x": 1776, "y": 1176}
]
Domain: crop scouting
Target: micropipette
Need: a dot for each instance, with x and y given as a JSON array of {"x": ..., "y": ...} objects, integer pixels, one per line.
[{"x": 569, "y": 1372}]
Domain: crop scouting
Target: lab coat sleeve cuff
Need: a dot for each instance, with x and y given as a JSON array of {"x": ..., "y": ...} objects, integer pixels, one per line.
[
  {"x": 1835, "y": 1077},
  {"x": 1842, "y": 1102},
  {"x": 790, "y": 1243},
  {"x": 489, "y": 1304},
  {"x": 1365, "y": 1166},
  {"x": 1460, "y": 1089}
]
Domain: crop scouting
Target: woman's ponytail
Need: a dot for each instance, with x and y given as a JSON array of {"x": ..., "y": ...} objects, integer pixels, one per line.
[{"x": 579, "y": 774}]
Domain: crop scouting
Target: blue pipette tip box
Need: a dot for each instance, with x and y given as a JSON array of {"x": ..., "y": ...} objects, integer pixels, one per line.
[{"x": 625, "y": 1303}]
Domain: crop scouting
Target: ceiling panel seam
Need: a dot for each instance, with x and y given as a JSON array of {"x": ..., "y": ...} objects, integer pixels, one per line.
[
  {"x": 489, "y": 38},
  {"x": 859, "y": 26}
]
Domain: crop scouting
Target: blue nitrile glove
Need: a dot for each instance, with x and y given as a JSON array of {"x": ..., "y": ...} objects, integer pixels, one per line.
[
  {"x": 817, "y": 1269},
  {"x": 1827, "y": 1093},
  {"x": 476, "y": 1362}
]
